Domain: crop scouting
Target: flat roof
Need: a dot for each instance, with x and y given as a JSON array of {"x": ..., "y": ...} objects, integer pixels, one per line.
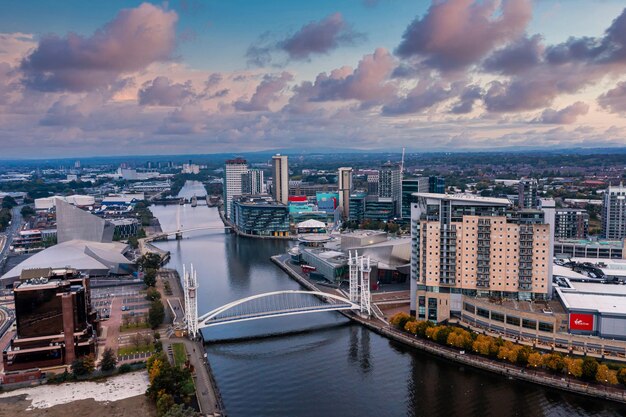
[
  {"x": 601, "y": 303},
  {"x": 465, "y": 197}
]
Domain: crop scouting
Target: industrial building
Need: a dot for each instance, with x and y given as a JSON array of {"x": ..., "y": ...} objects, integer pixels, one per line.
[{"x": 55, "y": 321}]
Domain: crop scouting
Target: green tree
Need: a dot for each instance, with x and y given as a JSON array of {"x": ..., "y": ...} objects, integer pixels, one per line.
[
  {"x": 109, "y": 361},
  {"x": 164, "y": 403},
  {"x": 27, "y": 212},
  {"x": 149, "y": 277},
  {"x": 621, "y": 376},
  {"x": 84, "y": 365},
  {"x": 156, "y": 314},
  {"x": 179, "y": 410},
  {"x": 8, "y": 202},
  {"x": 153, "y": 294},
  {"x": 590, "y": 368}
]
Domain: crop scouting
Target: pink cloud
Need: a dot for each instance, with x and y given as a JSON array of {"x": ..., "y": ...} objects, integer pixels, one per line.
[{"x": 134, "y": 39}]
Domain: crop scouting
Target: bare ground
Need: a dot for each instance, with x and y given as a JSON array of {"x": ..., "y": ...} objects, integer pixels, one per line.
[{"x": 134, "y": 406}]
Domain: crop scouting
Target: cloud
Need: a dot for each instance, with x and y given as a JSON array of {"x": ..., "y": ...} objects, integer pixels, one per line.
[
  {"x": 267, "y": 92},
  {"x": 455, "y": 34},
  {"x": 134, "y": 39},
  {"x": 615, "y": 99},
  {"x": 315, "y": 38},
  {"x": 468, "y": 97},
  {"x": 565, "y": 116},
  {"x": 368, "y": 83},
  {"x": 426, "y": 94},
  {"x": 162, "y": 92},
  {"x": 516, "y": 57}
]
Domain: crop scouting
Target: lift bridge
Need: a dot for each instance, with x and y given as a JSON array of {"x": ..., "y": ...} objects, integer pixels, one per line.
[{"x": 279, "y": 303}]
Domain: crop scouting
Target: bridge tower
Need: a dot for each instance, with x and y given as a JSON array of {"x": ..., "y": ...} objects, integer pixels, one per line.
[
  {"x": 190, "y": 286},
  {"x": 359, "y": 270},
  {"x": 365, "y": 270},
  {"x": 179, "y": 233},
  {"x": 354, "y": 276}
]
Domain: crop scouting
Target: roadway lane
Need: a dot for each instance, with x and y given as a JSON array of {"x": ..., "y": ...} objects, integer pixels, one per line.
[{"x": 10, "y": 232}]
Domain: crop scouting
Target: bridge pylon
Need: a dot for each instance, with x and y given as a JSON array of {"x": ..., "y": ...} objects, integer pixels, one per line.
[
  {"x": 190, "y": 286},
  {"x": 359, "y": 275}
]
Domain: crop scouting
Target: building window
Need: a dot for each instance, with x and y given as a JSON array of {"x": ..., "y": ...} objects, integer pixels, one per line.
[
  {"x": 497, "y": 316},
  {"x": 482, "y": 312},
  {"x": 529, "y": 324},
  {"x": 546, "y": 327},
  {"x": 512, "y": 320}
]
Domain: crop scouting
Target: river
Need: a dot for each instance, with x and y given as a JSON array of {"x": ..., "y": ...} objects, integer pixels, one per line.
[{"x": 324, "y": 365}]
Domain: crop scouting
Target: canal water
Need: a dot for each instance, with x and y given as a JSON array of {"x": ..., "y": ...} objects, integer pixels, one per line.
[{"x": 322, "y": 364}]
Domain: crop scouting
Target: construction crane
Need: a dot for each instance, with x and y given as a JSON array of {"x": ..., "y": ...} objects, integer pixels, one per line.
[{"x": 402, "y": 163}]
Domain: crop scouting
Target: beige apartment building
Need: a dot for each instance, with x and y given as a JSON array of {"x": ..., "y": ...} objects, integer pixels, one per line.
[{"x": 469, "y": 246}]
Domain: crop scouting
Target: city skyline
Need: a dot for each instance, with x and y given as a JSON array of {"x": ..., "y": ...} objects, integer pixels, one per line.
[{"x": 131, "y": 78}]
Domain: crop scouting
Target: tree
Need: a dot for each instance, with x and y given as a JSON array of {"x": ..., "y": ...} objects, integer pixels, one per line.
[
  {"x": 150, "y": 261},
  {"x": 554, "y": 362},
  {"x": 156, "y": 314},
  {"x": 149, "y": 277},
  {"x": 109, "y": 361},
  {"x": 164, "y": 403},
  {"x": 27, "y": 212},
  {"x": 574, "y": 367},
  {"x": 590, "y": 368},
  {"x": 153, "y": 294},
  {"x": 399, "y": 320},
  {"x": 621, "y": 376},
  {"x": 606, "y": 375},
  {"x": 8, "y": 202},
  {"x": 84, "y": 365},
  {"x": 179, "y": 410},
  {"x": 534, "y": 360}
]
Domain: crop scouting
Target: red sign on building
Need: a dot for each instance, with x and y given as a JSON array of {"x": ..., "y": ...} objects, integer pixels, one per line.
[{"x": 581, "y": 322}]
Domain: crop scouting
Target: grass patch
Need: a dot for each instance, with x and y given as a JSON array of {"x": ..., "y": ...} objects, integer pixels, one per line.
[
  {"x": 180, "y": 354},
  {"x": 134, "y": 326},
  {"x": 130, "y": 350}
]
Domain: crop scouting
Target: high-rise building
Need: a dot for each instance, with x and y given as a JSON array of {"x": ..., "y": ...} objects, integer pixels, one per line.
[
  {"x": 252, "y": 182},
  {"x": 527, "y": 189},
  {"x": 475, "y": 246},
  {"x": 571, "y": 223},
  {"x": 280, "y": 179},
  {"x": 411, "y": 186},
  {"x": 614, "y": 213},
  {"x": 436, "y": 185},
  {"x": 232, "y": 181},
  {"x": 344, "y": 180},
  {"x": 54, "y": 318},
  {"x": 390, "y": 186}
]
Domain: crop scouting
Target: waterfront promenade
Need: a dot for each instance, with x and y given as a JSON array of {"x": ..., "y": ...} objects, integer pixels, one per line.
[{"x": 383, "y": 328}]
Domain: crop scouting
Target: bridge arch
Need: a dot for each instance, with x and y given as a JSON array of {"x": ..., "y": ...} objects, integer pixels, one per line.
[{"x": 213, "y": 318}]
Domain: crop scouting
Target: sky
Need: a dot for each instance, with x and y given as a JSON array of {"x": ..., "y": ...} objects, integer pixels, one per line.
[{"x": 98, "y": 78}]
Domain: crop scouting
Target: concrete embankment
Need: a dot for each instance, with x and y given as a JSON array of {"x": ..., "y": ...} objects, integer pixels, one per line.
[{"x": 510, "y": 371}]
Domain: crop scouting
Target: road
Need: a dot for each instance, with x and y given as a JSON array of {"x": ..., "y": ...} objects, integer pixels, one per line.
[{"x": 7, "y": 237}]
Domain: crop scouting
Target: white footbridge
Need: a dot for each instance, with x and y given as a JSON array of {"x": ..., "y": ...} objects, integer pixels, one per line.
[{"x": 279, "y": 303}]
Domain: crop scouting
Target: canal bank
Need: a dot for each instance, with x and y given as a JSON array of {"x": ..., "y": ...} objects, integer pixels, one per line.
[{"x": 537, "y": 377}]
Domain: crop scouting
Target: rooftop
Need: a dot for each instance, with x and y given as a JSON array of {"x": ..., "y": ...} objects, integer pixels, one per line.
[{"x": 465, "y": 197}]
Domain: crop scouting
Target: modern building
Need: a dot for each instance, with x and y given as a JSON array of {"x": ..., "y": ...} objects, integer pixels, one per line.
[
  {"x": 614, "y": 213},
  {"x": 55, "y": 321},
  {"x": 390, "y": 186},
  {"x": 584, "y": 248},
  {"x": 252, "y": 182},
  {"x": 409, "y": 187},
  {"x": 436, "y": 185},
  {"x": 464, "y": 245},
  {"x": 233, "y": 171},
  {"x": 571, "y": 223},
  {"x": 527, "y": 190},
  {"x": 344, "y": 179},
  {"x": 260, "y": 216},
  {"x": 280, "y": 179},
  {"x": 379, "y": 209},
  {"x": 125, "y": 228},
  {"x": 329, "y": 264},
  {"x": 48, "y": 203},
  {"x": 92, "y": 258},
  {"x": 74, "y": 223},
  {"x": 327, "y": 202},
  {"x": 357, "y": 206}
]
